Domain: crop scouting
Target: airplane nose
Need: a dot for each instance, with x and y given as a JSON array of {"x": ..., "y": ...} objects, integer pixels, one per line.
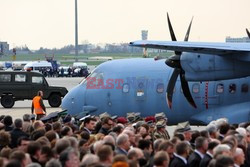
[{"x": 74, "y": 100}]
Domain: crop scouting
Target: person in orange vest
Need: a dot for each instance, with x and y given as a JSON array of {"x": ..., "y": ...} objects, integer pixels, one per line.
[{"x": 38, "y": 106}]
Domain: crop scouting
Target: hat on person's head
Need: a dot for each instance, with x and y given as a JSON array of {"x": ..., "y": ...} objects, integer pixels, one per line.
[
  {"x": 150, "y": 118},
  {"x": 151, "y": 124},
  {"x": 114, "y": 117},
  {"x": 140, "y": 123},
  {"x": 183, "y": 127},
  {"x": 32, "y": 116},
  {"x": 160, "y": 115},
  {"x": 131, "y": 116},
  {"x": 122, "y": 120},
  {"x": 103, "y": 115},
  {"x": 160, "y": 124},
  {"x": 67, "y": 118}
]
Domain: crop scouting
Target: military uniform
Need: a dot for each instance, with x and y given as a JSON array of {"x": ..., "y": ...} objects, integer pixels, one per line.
[{"x": 160, "y": 131}]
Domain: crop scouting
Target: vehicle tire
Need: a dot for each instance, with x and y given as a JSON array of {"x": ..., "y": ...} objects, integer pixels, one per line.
[
  {"x": 7, "y": 101},
  {"x": 55, "y": 100}
]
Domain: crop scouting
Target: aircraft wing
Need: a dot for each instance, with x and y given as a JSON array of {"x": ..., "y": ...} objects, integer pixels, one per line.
[{"x": 195, "y": 47}]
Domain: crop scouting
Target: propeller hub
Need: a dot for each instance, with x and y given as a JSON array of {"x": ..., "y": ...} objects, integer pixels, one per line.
[{"x": 173, "y": 61}]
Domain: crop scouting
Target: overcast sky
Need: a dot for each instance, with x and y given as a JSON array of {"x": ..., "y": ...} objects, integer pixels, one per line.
[{"x": 50, "y": 23}]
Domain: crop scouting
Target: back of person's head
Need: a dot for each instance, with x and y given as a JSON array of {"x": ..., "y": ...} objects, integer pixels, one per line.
[
  {"x": 180, "y": 136},
  {"x": 105, "y": 120},
  {"x": 144, "y": 144},
  {"x": 89, "y": 159},
  {"x": 18, "y": 123},
  {"x": 161, "y": 158},
  {"x": 53, "y": 163},
  {"x": 165, "y": 145},
  {"x": 34, "y": 164},
  {"x": 85, "y": 135},
  {"x": 121, "y": 139},
  {"x": 104, "y": 152},
  {"x": 39, "y": 93},
  {"x": 219, "y": 149},
  {"x": 26, "y": 117},
  {"x": 212, "y": 145},
  {"x": 65, "y": 130},
  {"x": 194, "y": 135},
  {"x": 38, "y": 124},
  {"x": 17, "y": 155},
  {"x": 61, "y": 145},
  {"x": 199, "y": 142},
  {"x": 13, "y": 163},
  {"x": 120, "y": 158},
  {"x": 57, "y": 126},
  {"x": 224, "y": 161},
  {"x": 204, "y": 133},
  {"x": 51, "y": 135},
  {"x": 224, "y": 128},
  {"x": 4, "y": 138},
  {"x": 37, "y": 134},
  {"x": 44, "y": 141},
  {"x": 33, "y": 147},
  {"x": 182, "y": 148},
  {"x": 65, "y": 155},
  {"x": 7, "y": 120},
  {"x": 157, "y": 143}
]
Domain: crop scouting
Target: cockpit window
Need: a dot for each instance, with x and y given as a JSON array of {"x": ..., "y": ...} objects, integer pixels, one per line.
[{"x": 95, "y": 74}]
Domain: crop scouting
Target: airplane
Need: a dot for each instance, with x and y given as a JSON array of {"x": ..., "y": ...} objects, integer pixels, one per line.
[{"x": 200, "y": 83}]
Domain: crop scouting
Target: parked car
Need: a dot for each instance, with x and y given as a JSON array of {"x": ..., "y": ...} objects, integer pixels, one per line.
[{"x": 22, "y": 85}]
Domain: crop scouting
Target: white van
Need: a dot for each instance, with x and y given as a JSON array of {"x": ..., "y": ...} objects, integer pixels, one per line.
[
  {"x": 80, "y": 65},
  {"x": 37, "y": 66}
]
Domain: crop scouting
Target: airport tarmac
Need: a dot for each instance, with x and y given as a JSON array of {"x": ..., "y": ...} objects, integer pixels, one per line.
[{"x": 24, "y": 107}]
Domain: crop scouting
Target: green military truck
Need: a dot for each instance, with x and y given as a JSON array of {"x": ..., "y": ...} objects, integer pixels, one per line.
[{"x": 20, "y": 85}]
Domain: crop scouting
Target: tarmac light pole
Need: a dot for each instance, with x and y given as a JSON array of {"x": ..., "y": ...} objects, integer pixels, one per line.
[{"x": 76, "y": 33}]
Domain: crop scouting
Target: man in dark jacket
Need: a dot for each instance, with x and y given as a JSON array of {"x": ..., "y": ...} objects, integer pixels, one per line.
[
  {"x": 209, "y": 154},
  {"x": 201, "y": 145},
  {"x": 17, "y": 132},
  {"x": 182, "y": 152}
]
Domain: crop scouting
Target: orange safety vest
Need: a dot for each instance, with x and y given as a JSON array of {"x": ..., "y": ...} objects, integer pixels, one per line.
[{"x": 37, "y": 106}]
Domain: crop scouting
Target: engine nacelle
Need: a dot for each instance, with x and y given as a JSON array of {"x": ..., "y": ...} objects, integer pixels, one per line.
[{"x": 208, "y": 67}]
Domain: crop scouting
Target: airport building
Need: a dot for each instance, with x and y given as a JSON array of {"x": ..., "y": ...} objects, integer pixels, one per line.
[
  {"x": 238, "y": 40},
  {"x": 4, "y": 47}
]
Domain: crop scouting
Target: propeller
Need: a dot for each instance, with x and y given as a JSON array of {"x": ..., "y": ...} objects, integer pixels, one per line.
[
  {"x": 174, "y": 62},
  {"x": 248, "y": 34}
]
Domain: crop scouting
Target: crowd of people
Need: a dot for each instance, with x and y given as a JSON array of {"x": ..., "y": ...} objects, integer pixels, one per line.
[{"x": 132, "y": 141}]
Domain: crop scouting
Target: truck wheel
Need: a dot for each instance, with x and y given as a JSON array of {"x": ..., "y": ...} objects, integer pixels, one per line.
[
  {"x": 55, "y": 100},
  {"x": 7, "y": 101}
]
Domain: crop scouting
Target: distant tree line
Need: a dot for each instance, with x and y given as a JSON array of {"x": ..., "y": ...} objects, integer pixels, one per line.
[{"x": 84, "y": 48}]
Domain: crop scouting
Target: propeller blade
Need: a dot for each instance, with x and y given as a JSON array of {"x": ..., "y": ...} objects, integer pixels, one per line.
[
  {"x": 171, "y": 30},
  {"x": 188, "y": 31},
  {"x": 171, "y": 84},
  {"x": 248, "y": 34},
  {"x": 186, "y": 91}
]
